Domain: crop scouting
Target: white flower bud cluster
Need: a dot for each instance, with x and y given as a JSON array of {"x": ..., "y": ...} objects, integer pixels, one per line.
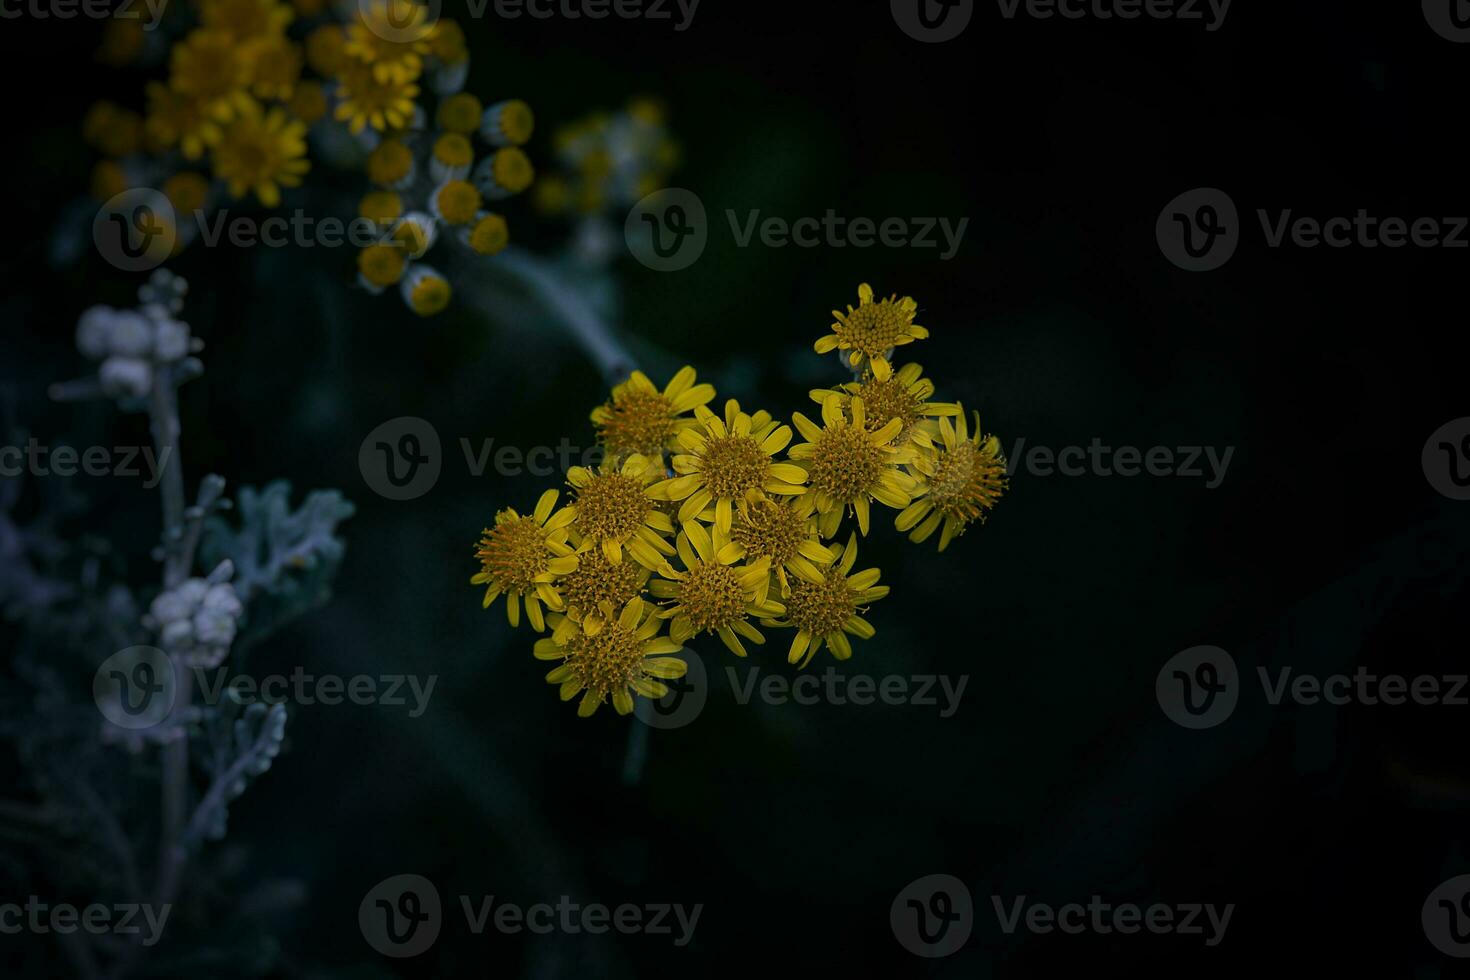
[
  {"x": 197, "y": 621},
  {"x": 133, "y": 344}
]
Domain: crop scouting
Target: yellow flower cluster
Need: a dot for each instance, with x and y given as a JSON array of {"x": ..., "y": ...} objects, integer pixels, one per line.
[
  {"x": 238, "y": 98},
  {"x": 720, "y": 523},
  {"x": 609, "y": 161}
]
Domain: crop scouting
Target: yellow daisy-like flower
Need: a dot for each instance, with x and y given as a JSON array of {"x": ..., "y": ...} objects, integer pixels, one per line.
[
  {"x": 522, "y": 556},
  {"x": 324, "y": 50},
  {"x": 870, "y": 332},
  {"x": 367, "y": 99},
  {"x": 614, "y": 512},
  {"x": 597, "y": 586},
  {"x": 714, "y": 594},
  {"x": 614, "y": 663},
  {"x": 176, "y": 119},
  {"x": 903, "y": 395},
  {"x": 830, "y": 609},
  {"x": 246, "y": 20},
  {"x": 275, "y": 66},
  {"x": 392, "y": 37},
  {"x": 849, "y": 464},
  {"x": 261, "y": 152},
  {"x": 641, "y": 419},
  {"x": 960, "y": 482},
  {"x": 782, "y": 532},
  {"x": 724, "y": 460},
  {"x": 210, "y": 67},
  {"x": 308, "y": 102}
]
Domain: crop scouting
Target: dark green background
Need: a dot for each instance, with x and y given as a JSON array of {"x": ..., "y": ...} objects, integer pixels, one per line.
[{"x": 1059, "y": 778}]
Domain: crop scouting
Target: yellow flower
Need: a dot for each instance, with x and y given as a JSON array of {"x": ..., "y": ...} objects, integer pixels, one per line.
[
  {"x": 381, "y": 265},
  {"x": 960, "y": 482},
  {"x": 850, "y": 465},
  {"x": 614, "y": 512},
  {"x": 425, "y": 291},
  {"x": 713, "y": 594},
  {"x": 489, "y": 235},
  {"x": 275, "y": 66},
  {"x": 509, "y": 123},
  {"x": 903, "y": 395},
  {"x": 367, "y": 99},
  {"x": 724, "y": 460},
  {"x": 828, "y": 610},
  {"x": 460, "y": 113},
  {"x": 261, "y": 152},
  {"x": 210, "y": 67},
  {"x": 597, "y": 587},
  {"x": 522, "y": 556},
  {"x": 456, "y": 202},
  {"x": 392, "y": 37},
  {"x": 308, "y": 102},
  {"x": 176, "y": 119},
  {"x": 246, "y": 20},
  {"x": 782, "y": 532},
  {"x": 506, "y": 172},
  {"x": 614, "y": 663},
  {"x": 391, "y": 163},
  {"x": 447, "y": 42},
  {"x": 324, "y": 50},
  {"x": 641, "y": 419},
  {"x": 870, "y": 332}
]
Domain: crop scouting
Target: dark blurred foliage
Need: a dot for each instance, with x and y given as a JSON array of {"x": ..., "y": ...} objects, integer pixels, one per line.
[{"x": 1060, "y": 321}]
